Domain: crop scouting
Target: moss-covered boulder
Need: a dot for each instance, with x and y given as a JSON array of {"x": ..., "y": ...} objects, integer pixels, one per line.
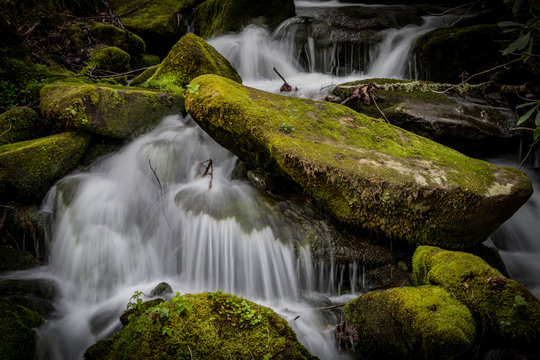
[
  {"x": 190, "y": 57},
  {"x": 506, "y": 312},
  {"x": 203, "y": 326},
  {"x": 109, "y": 58},
  {"x": 422, "y": 322},
  {"x": 36, "y": 295},
  {"x": 29, "y": 168},
  {"x": 145, "y": 75},
  {"x": 144, "y": 61},
  {"x": 12, "y": 259},
  {"x": 113, "y": 36},
  {"x": 363, "y": 171},
  {"x": 464, "y": 121},
  {"x": 17, "y": 337},
  {"x": 216, "y": 17},
  {"x": 443, "y": 54},
  {"x": 116, "y": 112},
  {"x": 18, "y": 124},
  {"x": 160, "y": 23}
]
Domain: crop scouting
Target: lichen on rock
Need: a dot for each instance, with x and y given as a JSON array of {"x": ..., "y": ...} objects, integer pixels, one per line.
[
  {"x": 506, "y": 312},
  {"x": 410, "y": 323},
  {"x": 365, "y": 172},
  {"x": 202, "y": 326}
]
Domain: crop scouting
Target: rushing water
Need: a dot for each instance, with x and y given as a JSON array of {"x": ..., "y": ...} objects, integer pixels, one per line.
[{"x": 146, "y": 215}]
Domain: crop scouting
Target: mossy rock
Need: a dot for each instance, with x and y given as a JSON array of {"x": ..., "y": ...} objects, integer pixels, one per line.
[
  {"x": 111, "y": 111},
  {"x": 190, "y": 57},
  {"x": 144, "y": 60},
  {"x": 363, "y": 171},
  {"x": 216, "y": 17},
  {"x": 29, "y": 168},
  {"x": 443, "y": 54},
  {"x": 113, "y": 36},
  {"x": 410, "y": 323},
  {"x": 160, "y": 23},
  {"x": 36, "y": 295},
  {"x": 12, "y": 259},
  {"x": 109, "y": 58},
  {"x": 18, "y": 124},
  {"x": 17, "y": 339},
  {"x": 465, "y": 121},
  {"x": 203, "y": 326},
  {"x": 506, "y": 312},
  {"x": 145, "y": 75}
]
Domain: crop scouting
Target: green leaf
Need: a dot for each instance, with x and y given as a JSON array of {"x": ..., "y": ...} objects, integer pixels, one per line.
[
  {"x": 519, "y": 44},
  {"x": 509, "y": 23},
  {"x": 526, "y": 116},
  {"x": 536, "y": 133},
  {"x": 526, "y": 104},
  {"x": 537, "y": 119},
  {"x": 517, "y": 5},
  {"x": 510, "y": 30}
]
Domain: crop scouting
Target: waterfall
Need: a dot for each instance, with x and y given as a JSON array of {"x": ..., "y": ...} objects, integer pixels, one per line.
[{"x": 146, "y": 215}]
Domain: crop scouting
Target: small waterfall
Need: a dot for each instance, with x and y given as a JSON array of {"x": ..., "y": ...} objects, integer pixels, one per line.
[
  {"x": 518, "y": 242},
  {"x": 146, "y": 215}
]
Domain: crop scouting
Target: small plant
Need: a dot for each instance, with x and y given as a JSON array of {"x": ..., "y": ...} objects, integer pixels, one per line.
[
  {"x": 135, "y": 302},
  {"x": 181, "y": 307},
  {"x": 161, "y": 310},
  {"x": 519, "y": 301},
  {"x": 235, "y": 309},
  {"x": 193, "y": 89},
  {"x": 286, "y": 127},
  {"x": 166, "y": 331},
  {"x": 530, "y": 108}
]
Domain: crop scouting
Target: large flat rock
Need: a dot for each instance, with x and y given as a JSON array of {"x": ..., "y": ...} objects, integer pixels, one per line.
[{"x": 365, "y": 172}]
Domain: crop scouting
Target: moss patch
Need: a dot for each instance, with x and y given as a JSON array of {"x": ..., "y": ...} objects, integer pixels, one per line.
[
  {"x": 28, "y": 168},
  {"x": 109, "y": 58},
  {"x": 216, "y": 17},
  {"x": 203, "y": 326},
  {"x": 17, "y": 339},
  {"x": 363, "y": 171},
  {"x": 411, "y": 323},
  {"x": 113, "y": 36},
  {"x": 11, "y": 259},
  {"x": 116, "y": 112},
  {"x": 18, "y": 124},
  {"x": 190, "y": 57},
  {"x": 505, "y": 310}
]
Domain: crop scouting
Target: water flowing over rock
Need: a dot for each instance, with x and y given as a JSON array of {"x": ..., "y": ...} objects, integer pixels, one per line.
[
  {"x": 467, "y": 121},
  {"x": 363, "y": 171},
  {"x": 110, "y": 111}
]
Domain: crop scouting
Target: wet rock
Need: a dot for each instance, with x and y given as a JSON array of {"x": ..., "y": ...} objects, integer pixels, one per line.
[
  {"x": 19, "y": 124},
  {"x": 115, "y": 112},
  {"x": 443, "y": 54},
  {"x": 363, "y": 171},
  {"x": 216, "y": 17},
  {"x": 409, "y": 323},
  {"x": 29, "y": 168},
  {"x": 162, "y": 289},
  {"x": 36, "y": 295},
  {"x": 17, "y": 337},
  {"x": 113, "y": 36},
  {"x": 190, "y": 57},
  {"x": 109, "y": 58},
  {"x": 507, "y": 313},
  {"x": 466, "y": 121},
  {"x": 207, "y": 325},
  {"x": 12, "y": 259}
]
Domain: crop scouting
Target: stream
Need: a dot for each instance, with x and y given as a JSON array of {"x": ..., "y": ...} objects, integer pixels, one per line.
[{"x": 145, "y": 214}]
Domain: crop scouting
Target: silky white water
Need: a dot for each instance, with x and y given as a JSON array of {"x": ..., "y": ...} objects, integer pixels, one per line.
[{"x": 146, "y": 215}]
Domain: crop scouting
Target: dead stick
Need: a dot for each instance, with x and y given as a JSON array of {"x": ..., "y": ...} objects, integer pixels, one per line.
[
  {"x": 531, "y": 147},
  {"x": 377, "y": 106},
  {"x": 161, "y": 191},
  {"x": 329, "y": 307}
]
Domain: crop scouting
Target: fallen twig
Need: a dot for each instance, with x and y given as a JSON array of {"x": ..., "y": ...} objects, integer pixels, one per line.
[
  {"x": 286, "y": 87},
  {"x": 531, "y": 147},
  {"x": 160, "y": 190},
  {"x": 209, "y": 170}
]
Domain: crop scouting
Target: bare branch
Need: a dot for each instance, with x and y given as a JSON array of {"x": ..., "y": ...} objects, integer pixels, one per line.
[{"x": 160, "y": 190}]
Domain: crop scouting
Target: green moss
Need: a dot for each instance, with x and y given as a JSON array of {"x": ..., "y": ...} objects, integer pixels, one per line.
[
  {"x": 203, "y": 326},
  {"x": 411, "y": 323},
  {"x": 145, "y": 75},
  {"x": 487, "y": 293},
  {"x": 21, "y": 123},
  {"x": 349, "y": 162},
  {"x": 11, "y": 259},
  {"x": 111, "y": 111},
  {"x": 216, "y": 17},
  {"x": 109, "y": 58},
  {"x": 28, "y": 168},
  {"x": 190, "y": 57},
  {"x": 17, "y": 339},
  {"x": 144, "y": 60},
  {"x": 113, "y": 36}
]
